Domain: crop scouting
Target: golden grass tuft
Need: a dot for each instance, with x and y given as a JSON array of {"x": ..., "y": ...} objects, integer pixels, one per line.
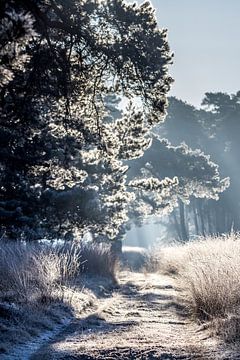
[{"x": 208, "y": 270}]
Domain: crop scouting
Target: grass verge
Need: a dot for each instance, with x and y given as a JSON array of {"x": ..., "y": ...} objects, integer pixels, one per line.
[
  {"x": 40, "y": 286},
  {"x": 208, "y": 270}
]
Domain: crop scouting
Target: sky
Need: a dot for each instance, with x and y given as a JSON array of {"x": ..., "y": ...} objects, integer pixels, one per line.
[{"x": 205, "y": 38}]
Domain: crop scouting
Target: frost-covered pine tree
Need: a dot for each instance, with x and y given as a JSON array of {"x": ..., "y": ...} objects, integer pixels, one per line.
[{"x": 62, "y": 156}]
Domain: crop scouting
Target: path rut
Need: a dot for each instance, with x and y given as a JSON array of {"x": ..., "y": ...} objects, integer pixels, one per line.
[{"x": 143, "y": 319}]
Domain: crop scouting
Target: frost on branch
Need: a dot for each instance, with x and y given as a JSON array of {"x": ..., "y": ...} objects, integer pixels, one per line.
[
  {"x": 63, "y": 156},
  {"x": 133, "y": 134},
  {"x": 154, "y": 184},
  {"x": 16, "y": 31}
]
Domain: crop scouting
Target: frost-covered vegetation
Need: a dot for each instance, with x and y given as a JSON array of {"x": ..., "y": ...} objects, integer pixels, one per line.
[
  {"x": 62, "y": 155},
  {"x": 207, "y": 270},
  {"x": 41, "y": 287},
  {"x": 214, "y": 129}
]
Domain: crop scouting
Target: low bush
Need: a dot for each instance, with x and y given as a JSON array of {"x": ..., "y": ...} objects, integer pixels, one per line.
[{"x": 134, "y": 258}]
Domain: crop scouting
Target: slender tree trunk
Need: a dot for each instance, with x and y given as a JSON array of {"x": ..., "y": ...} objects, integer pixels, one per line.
[
  {"x": 184, "y": 231},
  {"x": 176, "y": 225},
  {"x": 195, "y": 217},
  {"x": 200, "y": 211},
  {"x": 116, "y": 248},
  {"x": 210, "y": 229}
]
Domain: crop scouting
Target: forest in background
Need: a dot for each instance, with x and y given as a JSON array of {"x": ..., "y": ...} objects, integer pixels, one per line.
[{"x": 214, "y": 130}]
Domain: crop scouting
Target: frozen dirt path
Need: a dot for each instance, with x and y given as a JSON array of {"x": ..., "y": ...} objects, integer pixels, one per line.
[{"x": 141, "y": 320}]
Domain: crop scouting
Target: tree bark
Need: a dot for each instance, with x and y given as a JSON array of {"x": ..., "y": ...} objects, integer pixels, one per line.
[{"x": 184, "y": 231}]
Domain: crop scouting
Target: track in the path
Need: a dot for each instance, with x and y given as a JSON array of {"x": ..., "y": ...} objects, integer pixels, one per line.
[{"x": 141, "y": 320}]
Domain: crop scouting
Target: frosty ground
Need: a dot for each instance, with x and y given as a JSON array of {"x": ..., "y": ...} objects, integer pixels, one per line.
[{"x": 142, "y": 319}]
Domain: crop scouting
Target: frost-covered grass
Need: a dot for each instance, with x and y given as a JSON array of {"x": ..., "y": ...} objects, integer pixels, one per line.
[
  {"x": 208, "y": 270},
  {"x": 33, "y": 273},
  {"x": 140, "y": 259},
  {"x": 97, "y": 259},
  {"x": 42, "y": 285}
]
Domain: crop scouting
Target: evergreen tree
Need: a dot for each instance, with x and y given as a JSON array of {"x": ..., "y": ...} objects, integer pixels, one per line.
[
  {"x": 183, "y": 124},
  {"x": 61, "y": 157},
  {"x": 223, "y": 127}
]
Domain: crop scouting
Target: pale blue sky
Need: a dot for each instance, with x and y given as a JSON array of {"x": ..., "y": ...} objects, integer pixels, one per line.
[{"x": 205, "y": 37}]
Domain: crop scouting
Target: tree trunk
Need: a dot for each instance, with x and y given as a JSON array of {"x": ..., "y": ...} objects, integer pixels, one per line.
[
  {"x": 177, "y": 226},
  {"x": 184, "y": 231},
  {"x": 200, "y": 211},
  {"x": 195, "y": 217}
]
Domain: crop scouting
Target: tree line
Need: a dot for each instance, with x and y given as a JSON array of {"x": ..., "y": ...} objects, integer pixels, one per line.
[{"x": 214, "y": 129}]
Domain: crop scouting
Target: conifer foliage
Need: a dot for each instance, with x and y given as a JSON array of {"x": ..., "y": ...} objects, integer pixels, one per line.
[{"x": 61, "y": 156}]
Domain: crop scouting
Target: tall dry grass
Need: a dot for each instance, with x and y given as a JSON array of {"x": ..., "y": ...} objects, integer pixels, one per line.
[
  {"x": 34, "y": 272},
  {"x": 98, "y": 259},
  {"x": 209, "y": 272},
  {"x": 41, "y": 285}
]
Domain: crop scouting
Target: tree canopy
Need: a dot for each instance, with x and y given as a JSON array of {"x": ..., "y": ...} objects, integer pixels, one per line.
[
  {"x": 61, "y": 158},
  {"x": 68, "y": 151}
]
